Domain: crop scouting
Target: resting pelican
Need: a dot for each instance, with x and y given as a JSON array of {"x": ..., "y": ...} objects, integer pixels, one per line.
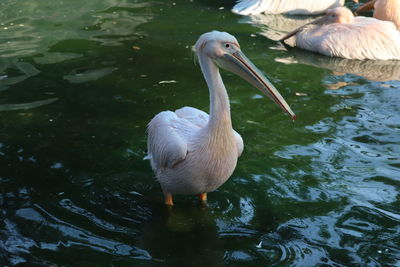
[
  {"x": 290, "y": 7},
  {"x": 195, "y": 153},
  {"x": 388, "y": 10},
  {"x": 340, "y": 34}
]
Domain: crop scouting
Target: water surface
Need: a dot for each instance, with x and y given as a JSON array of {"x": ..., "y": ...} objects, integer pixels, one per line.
[{"x": 79, "y": 81}]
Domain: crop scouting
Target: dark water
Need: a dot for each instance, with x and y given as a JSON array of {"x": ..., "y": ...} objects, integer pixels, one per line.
[{"x": 79, "y": 80}]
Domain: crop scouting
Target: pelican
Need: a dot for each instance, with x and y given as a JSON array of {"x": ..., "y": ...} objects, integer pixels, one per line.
[
  {"x": 190, "y": 151},
  {"x": 388, "y": 10},
  {"x": 340, "y": 34},
  {"x": 290, "y": 7}
]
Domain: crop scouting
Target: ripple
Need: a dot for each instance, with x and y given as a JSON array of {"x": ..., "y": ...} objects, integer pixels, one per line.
[
  {"x": 237, "y": 257},
  {"x": 278, "y": 252},
  {"x": 14, "y": 244},
  {"x": 16, "y": 72},
  {"x": 56, "y": 57},
  {"x": 77, "y": 236},
  {"x": 89, "y": 75},
  {"x": 26, "y": 106},
  {"x": 68, "y": 205},
  {"x": 29, "y": 29},
  {"x": 227, "y": 230}
]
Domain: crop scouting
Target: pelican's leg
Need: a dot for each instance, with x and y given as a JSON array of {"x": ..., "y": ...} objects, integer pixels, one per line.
[
  {"x": 203, "y": 197},
  {"x": 168, "y": 199}
]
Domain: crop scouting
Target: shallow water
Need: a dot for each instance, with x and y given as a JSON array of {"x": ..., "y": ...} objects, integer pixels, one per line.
[{"x": 80, "y": 80}]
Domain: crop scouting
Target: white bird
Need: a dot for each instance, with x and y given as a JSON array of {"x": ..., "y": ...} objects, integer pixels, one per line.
[
  {"x": 340, "y": 34},
  {"x": 290, "y": 7},
  {"x": 388, "y": 10},
  {"x": 195, "y": 153}
]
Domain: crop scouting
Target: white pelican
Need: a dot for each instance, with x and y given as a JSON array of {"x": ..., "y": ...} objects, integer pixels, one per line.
[
  {"x": 290, "y": 7},
  {"x": 388, "y": 10},
  {"x": 340, "y": 34},
  {"x": 195, "y": 153}
]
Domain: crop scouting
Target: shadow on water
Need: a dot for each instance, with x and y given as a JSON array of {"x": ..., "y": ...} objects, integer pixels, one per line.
[{"x": 373, "y": 70}]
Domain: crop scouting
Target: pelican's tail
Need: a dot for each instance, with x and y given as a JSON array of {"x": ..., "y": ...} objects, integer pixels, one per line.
[
  {"x": 147, "y": 157},
  {"x": 248, "y": 7}
]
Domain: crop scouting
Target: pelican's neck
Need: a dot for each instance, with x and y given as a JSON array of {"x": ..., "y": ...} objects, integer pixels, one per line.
[
  {"x": 388, "y": 10},
  {"x": 220, "y": 116}
]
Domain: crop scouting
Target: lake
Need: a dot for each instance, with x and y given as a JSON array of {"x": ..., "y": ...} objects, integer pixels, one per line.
[{"x": 80, "y": 80}]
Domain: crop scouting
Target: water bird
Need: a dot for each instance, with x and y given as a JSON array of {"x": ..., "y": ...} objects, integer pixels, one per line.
[
  {"x": 338, "y": 33},
  {"x": 290, "y": 7},
  {"x": 194, "y": 153},
  {"x": 388, "y": 10}
]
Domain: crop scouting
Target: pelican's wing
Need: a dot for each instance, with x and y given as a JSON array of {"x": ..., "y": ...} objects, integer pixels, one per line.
[
  {"x": 292, "y": 7},
  {"x": 194, "y": 115},
  {"x": 239, "y": 142},
  {"x": 169, "y": 133},
  {"x": 249, "y": 7},
  {"x": 366, "y": 38}
]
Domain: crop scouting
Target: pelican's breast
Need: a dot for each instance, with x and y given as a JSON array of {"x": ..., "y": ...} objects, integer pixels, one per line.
[
  {"x": 389, "y": 11},
  {"x": 206, "y": 167},
  {"x": 220, "y": 154}
]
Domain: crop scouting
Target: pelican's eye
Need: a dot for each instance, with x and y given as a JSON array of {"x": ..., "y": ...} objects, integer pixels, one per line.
[{"x": 227, "y": 45}]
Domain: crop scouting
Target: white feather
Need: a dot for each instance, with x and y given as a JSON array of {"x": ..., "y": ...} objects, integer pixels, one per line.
[
  {"x": 365, "y": 38},
  {"x": 388, "y": 10},
  {"x": 292, "y": 7}
]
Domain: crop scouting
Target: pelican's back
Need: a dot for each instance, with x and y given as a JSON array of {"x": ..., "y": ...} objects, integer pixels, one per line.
[
  {"x": 366, "y": 38},
  {"x": 169, "y": 136}
]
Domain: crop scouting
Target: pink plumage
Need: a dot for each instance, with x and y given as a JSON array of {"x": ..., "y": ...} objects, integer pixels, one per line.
[{"x": 340, "y": 34}]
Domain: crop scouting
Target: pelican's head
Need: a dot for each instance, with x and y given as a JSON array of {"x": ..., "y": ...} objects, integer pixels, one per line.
[
  {"x": 215, "y": 44},
  {"x": 336, "y": 15},
  {"x": 333, "y": 15},
  {"x": 224, "y": 50}
]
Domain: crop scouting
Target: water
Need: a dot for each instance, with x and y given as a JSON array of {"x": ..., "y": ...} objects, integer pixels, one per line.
[{"x": 80, "y": 80}]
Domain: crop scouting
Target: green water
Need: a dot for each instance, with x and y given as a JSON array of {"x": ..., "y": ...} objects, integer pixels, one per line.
[{"x": 80, "y": 80}]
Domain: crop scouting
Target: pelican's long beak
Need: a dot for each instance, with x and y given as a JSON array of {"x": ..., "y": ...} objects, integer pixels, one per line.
[
  {"x": 365, "y": 7},
  {"x": 319, "y": 21},
  {"x": 239, "y": 64}
]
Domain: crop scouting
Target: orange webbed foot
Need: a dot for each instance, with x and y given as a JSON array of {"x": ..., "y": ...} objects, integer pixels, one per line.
[
  {"x": 168, "y": 199},
  {"x": 203, "y": 197}
]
